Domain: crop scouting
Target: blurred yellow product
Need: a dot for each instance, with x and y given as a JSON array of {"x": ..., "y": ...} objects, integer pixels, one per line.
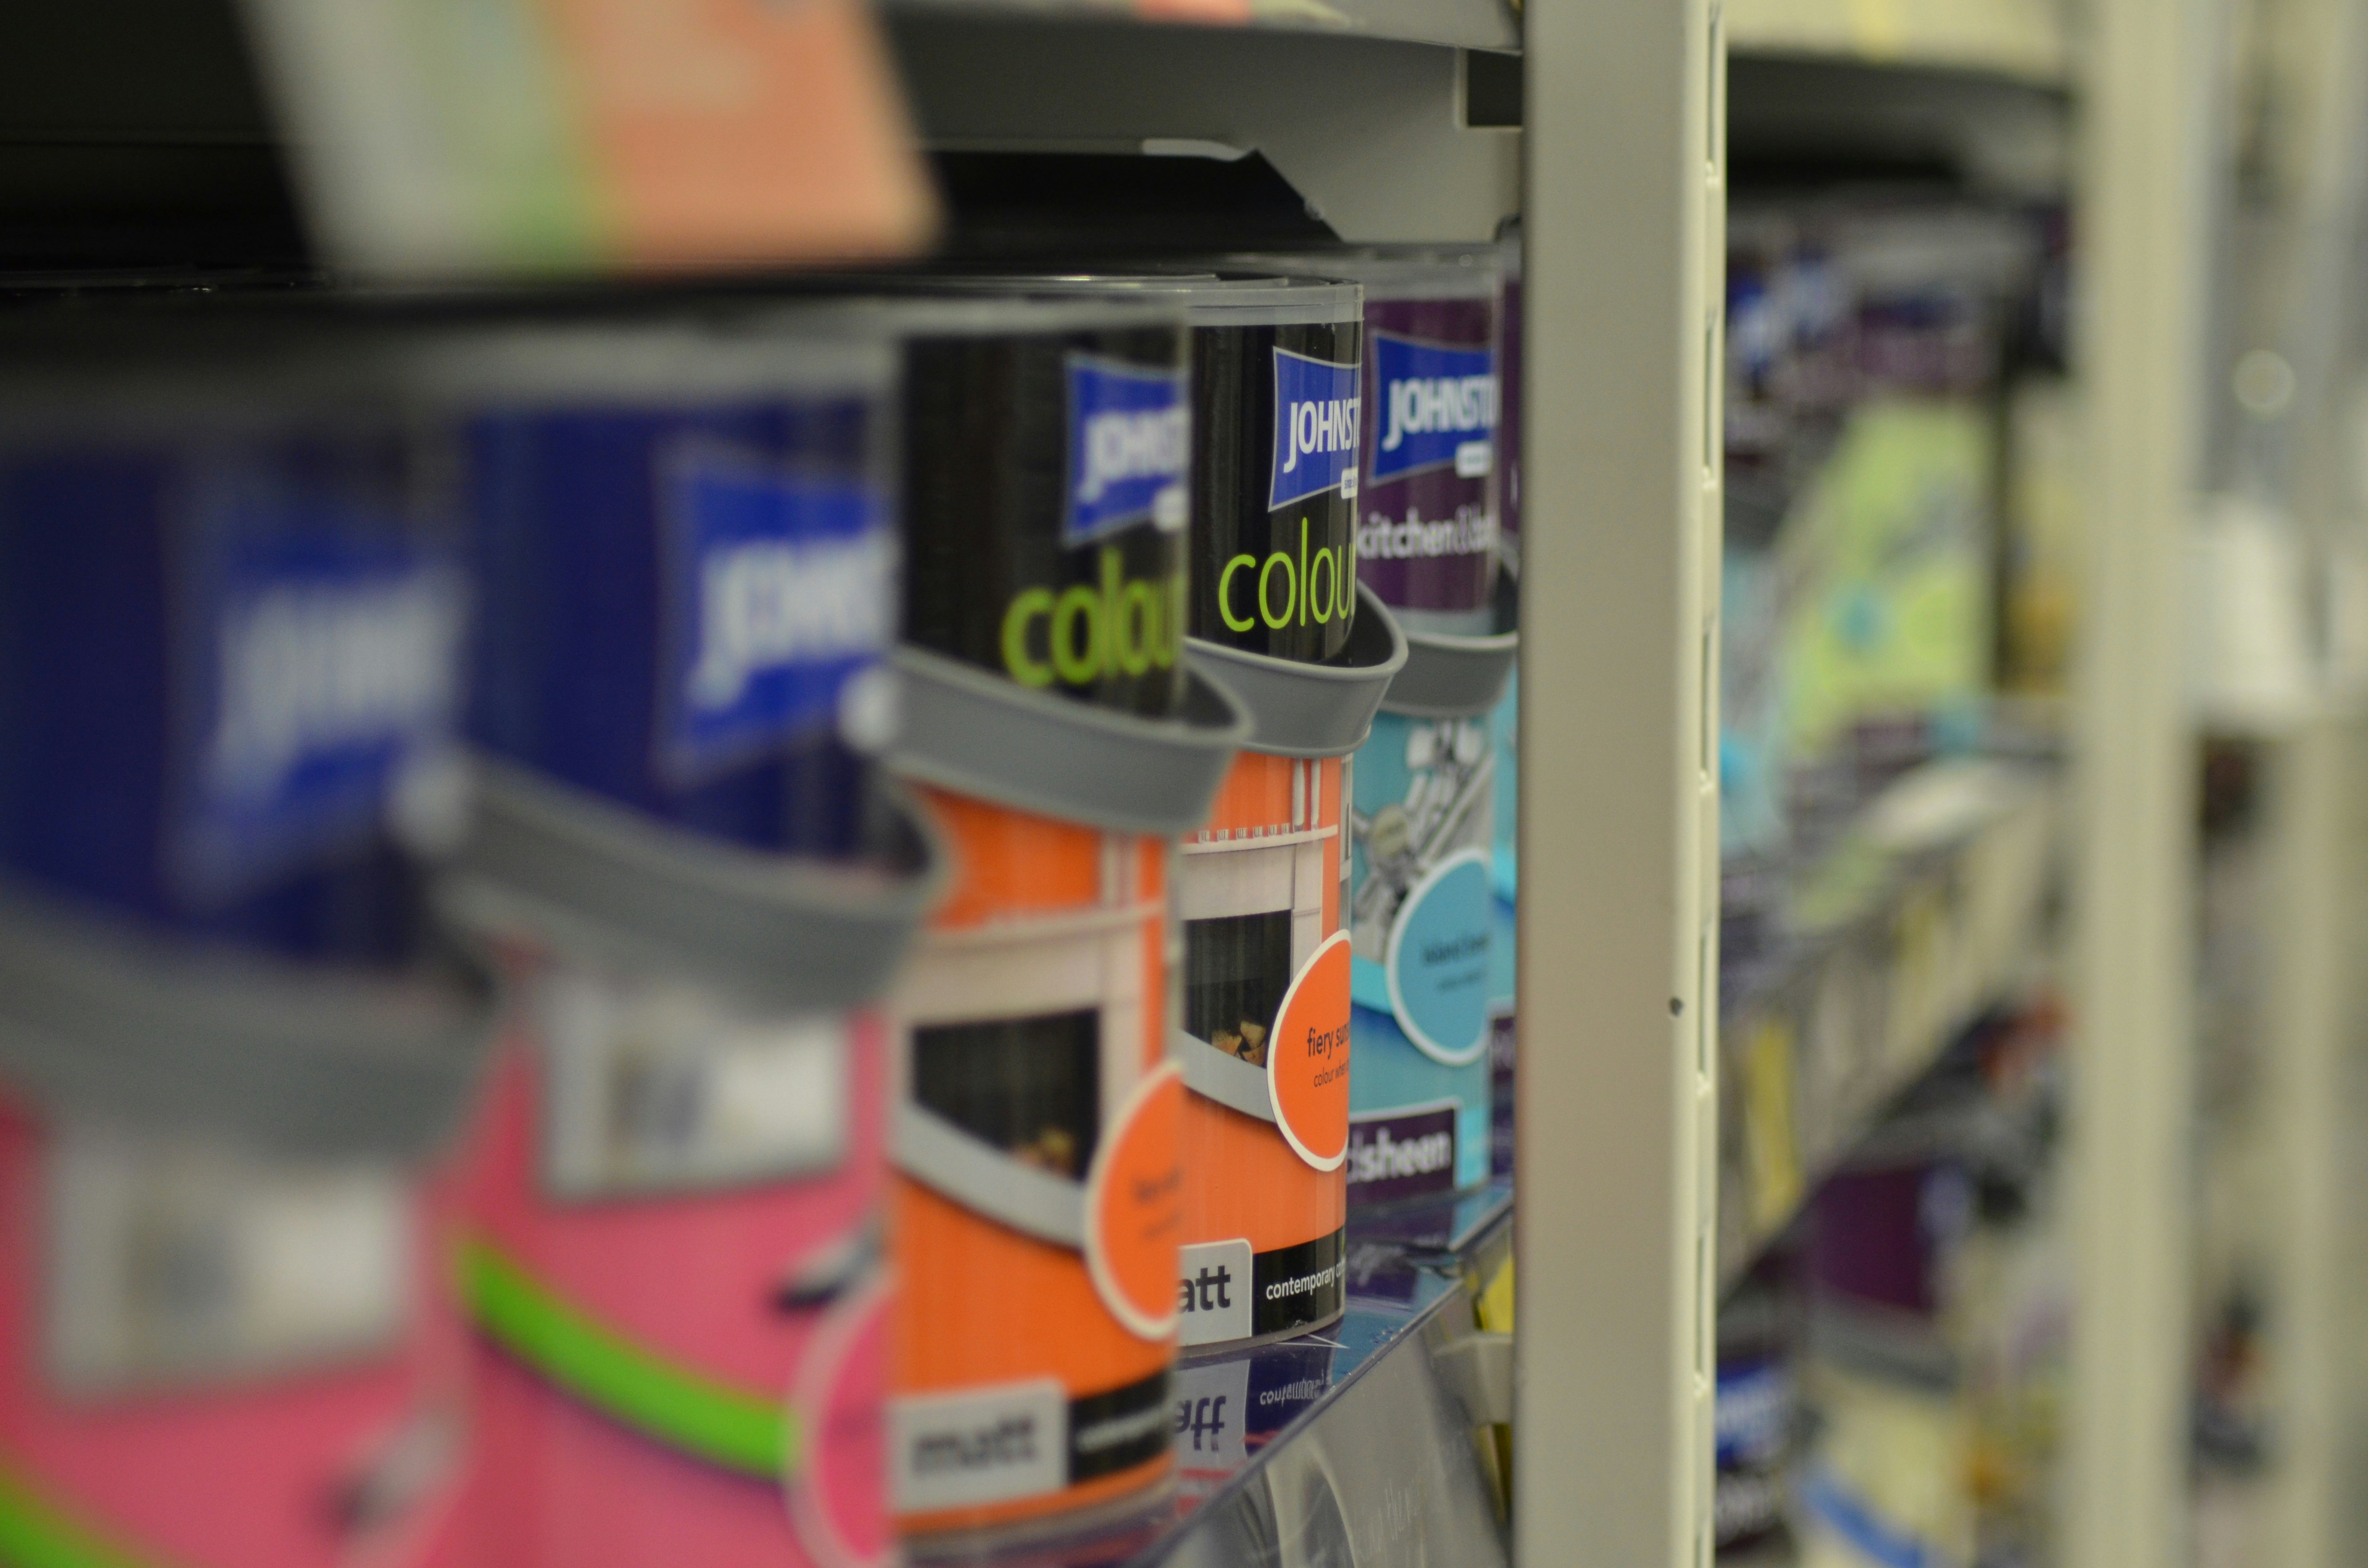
[
  {"x": 1892, "y": 1476},
  {"x": 2043, "y": 535},
  {"x": 1889, "y": 555},
  {"x": 1495, "y": 1307}
]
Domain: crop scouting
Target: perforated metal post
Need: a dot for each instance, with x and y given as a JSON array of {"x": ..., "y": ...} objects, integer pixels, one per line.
[{"x": 1624, "y": 280}]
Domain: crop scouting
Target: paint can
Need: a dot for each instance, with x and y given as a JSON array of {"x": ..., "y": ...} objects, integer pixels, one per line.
[
  {"x": 1062, "y": 743},
  {"x": 1264, "y": 1038},
  {"x": 229, "y": 671},
  {"x": 686, "y": 540}
]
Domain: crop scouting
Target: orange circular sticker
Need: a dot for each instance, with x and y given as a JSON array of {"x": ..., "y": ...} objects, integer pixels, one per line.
[
  {"x": 1135, "y": 1206},
  {"x": 1307, "y": 1058}
]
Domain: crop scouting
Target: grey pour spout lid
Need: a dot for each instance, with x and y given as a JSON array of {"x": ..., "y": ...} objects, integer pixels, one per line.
[
  {"x": 1457, "y": 678},
  {"x": 302, "y": 1060},
  {"x": 972, "y": 731},
  {"x": 1304, "y": 710},
  {"x": 602, "y": 883}
]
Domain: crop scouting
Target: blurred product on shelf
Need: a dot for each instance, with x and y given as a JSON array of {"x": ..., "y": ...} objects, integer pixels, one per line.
[
  {"x": 1264, "y": 1041},
  {"x": 1758, "y": 1417},
  {"x": 230, "y": 681},
  {"x": 1938, "y": 1312},
  {"x": 1867, "y": 345},
  {"x": 1064, "y": 745},
  {"x": 686, "y": 545},
  {"x": 1504, "y": 1028},
  {"x": 2237, "y": 1351},
  {"x": 2042, "y": 583},
  {"x": 1422, "y": 917},
  {"x": 1931, "y": 913}
]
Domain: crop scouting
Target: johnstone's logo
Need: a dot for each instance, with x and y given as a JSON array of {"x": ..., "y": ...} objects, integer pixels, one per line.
[
  {"x": 1439, "y": 408},
  {"x": 313, "y": 671},
  {"x": 324, "y": 702},
  {"x": 1130, "y": 441},
  {"x": 1315, "y": 421},
  {"x": 781, "y": 589}
]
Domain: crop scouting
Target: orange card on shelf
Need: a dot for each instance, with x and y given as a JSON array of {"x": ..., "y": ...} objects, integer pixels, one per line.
[{"x": 499, "y": 137}]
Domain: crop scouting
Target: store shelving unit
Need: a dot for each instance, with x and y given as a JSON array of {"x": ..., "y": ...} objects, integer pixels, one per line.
[
  {"x": 1604, "y": 125},
  {"x": 1934, "y": 916}
]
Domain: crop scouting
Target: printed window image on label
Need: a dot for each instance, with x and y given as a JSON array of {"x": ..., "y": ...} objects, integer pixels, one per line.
[
  {"x": 324, "y": 695},
  {"x": 1439, "y": 408},
  {"x": 781, "y": 599},
  {"x": 1236, "y": 968},
  {"x": 652, "y": 1087},
  {"x": 1130, "y": 444},
  {"x": 1252, "y": 903},
  {"x": 1402, "y": 1153},
  {"x": 1316, "y": 424},
  {"x": 1028, "y": 1086}
]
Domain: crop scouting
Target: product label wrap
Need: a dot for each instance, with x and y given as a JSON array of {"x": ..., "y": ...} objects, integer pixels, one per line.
[
  {"x": 1427, "y": 515},
  {"x": 1281, "y": 414},
  {"x": 1423, "y": 924},
  {"x": 1046, "y": 505},
  {"x": 1039, "y": 1208}
]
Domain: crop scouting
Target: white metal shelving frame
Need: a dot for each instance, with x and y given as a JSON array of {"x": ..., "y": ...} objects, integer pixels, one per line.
[
  {"x": 2147, "y": 90},
  {"x": 1624, "y": 217}
]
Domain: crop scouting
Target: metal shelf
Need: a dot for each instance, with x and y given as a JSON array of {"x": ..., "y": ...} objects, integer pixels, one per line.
[{"x": 1357, "y": 1443}]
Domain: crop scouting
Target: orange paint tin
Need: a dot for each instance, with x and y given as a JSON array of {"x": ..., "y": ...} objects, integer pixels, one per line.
[
  {"x": 1263, "y": 1036},
  {"x": 1062, "y": 744}
]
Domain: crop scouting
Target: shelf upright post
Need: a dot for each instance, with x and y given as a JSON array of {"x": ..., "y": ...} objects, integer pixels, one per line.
[
  {"x": 1624, "y": 216},
  {"x": 2313, "y": 863},
  {"x": 2150, "y": 142}
]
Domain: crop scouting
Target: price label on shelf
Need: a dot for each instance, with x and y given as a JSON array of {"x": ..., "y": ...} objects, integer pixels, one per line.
[{"x": 491, "y": 138}]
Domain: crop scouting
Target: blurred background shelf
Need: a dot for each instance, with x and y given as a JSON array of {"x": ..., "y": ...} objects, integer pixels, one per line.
[
  {"x": 1930, "y": 914},
  {"x": 2021, "y": 39}
]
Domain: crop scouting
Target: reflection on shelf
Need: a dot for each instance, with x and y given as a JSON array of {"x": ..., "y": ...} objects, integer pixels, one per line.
[
  {"x": 1358, "y": 1443},
  {"x": 1927, "y": 915},
  {"x": 2022, "y": 38}
]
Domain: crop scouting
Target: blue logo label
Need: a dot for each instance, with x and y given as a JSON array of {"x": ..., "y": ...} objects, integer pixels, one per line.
[
  {"x": 782, "y": 592},
  {"x": 1439, "y": 408},
  {"x": 1754, "y": 1413},
  {"x": 325, "y": 694},
  {"x": 1129, "y": 442},
  {"x": 1315, "y": 406}
]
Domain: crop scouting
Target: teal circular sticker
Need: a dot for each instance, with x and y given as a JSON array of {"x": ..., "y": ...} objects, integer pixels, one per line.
[{"x": 1438, "y": 959}]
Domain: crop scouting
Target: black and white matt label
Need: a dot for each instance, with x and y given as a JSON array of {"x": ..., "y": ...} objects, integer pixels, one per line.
[{"x": 1213, "y": 1297}]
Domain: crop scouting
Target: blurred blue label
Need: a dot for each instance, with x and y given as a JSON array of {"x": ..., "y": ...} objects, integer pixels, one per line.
[
  {"x": 1438, "y": 407},
  {"x": 1438, "y": 964},
  {"x": 1753, "y": 1411},
  {"x": 325, "y": 684},
  {"x": 1316, "y": 424},
  {"x": 1130, "y": 443},
  {"x": 782, "y": 590}
]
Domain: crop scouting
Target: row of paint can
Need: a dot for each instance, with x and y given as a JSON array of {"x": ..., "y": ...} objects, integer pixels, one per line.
[{"x": 376, "y": 685}]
